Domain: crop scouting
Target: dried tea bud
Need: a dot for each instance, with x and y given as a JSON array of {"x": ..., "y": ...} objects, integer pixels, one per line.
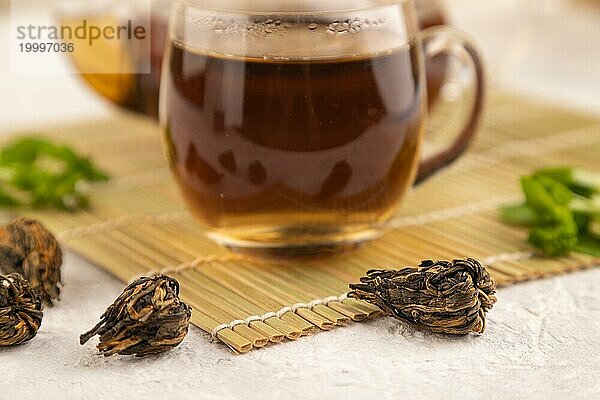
[
  {"x": 440, "y": 296},
  {"x": 31, "y": 250},
  {"x": 20, "y": 310},
  {"x": 147, "y": 318}
]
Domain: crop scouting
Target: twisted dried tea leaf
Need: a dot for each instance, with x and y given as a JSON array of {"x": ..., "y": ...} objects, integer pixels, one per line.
[
  {"x": 20, "y": 310},
  {"x": 147, "y": 318},
  {"x": 28, "y": 248},
  {"x": 440, "y": 296}
]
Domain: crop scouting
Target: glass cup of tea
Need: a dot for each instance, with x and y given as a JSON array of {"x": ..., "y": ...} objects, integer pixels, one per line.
[{"x": 296, "y": 127}]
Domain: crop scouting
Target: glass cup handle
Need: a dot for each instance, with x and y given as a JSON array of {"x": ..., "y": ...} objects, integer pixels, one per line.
[{"x": 440, "y": 40}]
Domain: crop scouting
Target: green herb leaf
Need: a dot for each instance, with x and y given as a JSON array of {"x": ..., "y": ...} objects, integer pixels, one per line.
[
  {"x": 555, "y": 240},
  {"x": 588, "y": 244},
  {"x": 562, "y": 209},
  {"x": 35, "y": 172},
  {"x": 580, "y": 181},
  {"x": 519, "y": 214}
]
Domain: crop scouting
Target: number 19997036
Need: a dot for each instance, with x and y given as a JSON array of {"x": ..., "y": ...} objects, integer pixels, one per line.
[{"x": 48, "y": 47}]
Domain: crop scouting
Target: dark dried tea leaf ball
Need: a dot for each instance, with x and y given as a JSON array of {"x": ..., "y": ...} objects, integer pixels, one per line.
[
  {"x": 147, "y": 318},
  {"x": 28, "y": 248},
  {"x": 20, "y": 310},
  {"x": 439, "y": 296}
]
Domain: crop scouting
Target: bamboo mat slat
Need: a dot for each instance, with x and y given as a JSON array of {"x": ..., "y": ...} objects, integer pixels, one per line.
[{"x": 138, "y": 225}]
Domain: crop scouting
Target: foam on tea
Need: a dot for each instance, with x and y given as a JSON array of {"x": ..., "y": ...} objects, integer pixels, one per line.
[{"x": 307, "y": 142}]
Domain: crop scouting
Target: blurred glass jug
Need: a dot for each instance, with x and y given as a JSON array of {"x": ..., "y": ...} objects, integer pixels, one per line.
[{"x": 112, "y": 67}]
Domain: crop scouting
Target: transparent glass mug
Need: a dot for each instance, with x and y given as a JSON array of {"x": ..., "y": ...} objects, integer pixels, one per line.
[{"x": 296, "y": 128}]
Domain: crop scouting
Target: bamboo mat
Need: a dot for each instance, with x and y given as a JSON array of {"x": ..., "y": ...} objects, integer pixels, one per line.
[{"x": 138, "y": 225}]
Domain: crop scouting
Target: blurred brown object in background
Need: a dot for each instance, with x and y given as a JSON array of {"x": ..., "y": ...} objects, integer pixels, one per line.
[
  {"x": 431, "y": 13},
  {"x": 587, "y": 3},
  {"x": 28, "y": 248},
  {"x": 136, "y": 92}
]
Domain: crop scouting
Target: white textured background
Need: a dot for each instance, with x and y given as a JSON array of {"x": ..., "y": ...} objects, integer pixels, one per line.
[{"x": 542, "y": 342}]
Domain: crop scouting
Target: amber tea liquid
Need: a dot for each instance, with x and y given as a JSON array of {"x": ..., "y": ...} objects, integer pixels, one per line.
[{"x": 278, "y": 151}]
